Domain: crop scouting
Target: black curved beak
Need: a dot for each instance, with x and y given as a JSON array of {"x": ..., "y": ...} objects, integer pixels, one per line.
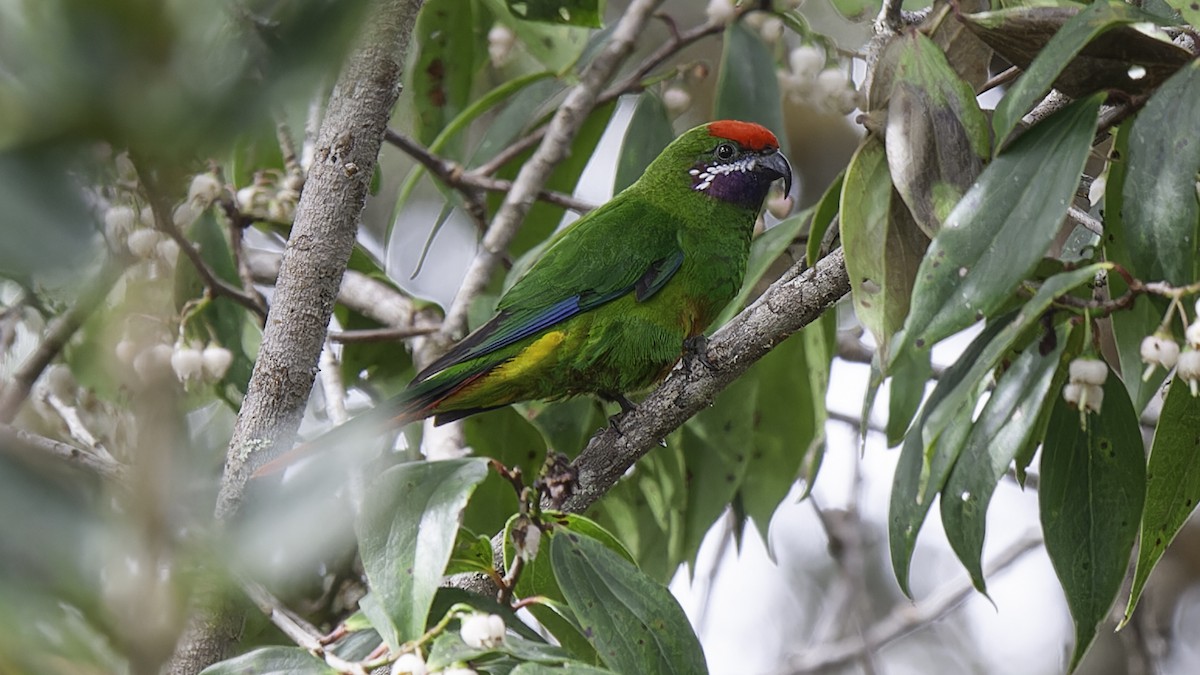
[{"x": 777, "y": 166}]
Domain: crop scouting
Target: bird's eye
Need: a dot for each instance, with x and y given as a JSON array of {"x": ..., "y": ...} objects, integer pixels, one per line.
[{"x": 725, "y": 152}]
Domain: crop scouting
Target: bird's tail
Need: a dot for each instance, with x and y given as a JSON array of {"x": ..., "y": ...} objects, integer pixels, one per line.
[{"x": 422, "y": 398}]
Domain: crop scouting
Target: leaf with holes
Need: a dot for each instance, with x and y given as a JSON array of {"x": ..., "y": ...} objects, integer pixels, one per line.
[
  {"x": 1172, "y": 482},
  {"x": 1093, "y": 485},
  {"x": 937, "y": 137},
  {"x": 446, "y": 62},
  {"x": 883, "y": 244},
  {"x": 1004, "y": 427},
  {"x": 1161, "y": 213},
  {"x": 1000, "y": 230},
  {"x": 585, "y": 13},
  {"x": 634, "y": 622}
]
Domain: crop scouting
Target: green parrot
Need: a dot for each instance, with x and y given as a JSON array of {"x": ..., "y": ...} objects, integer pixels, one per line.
[{"x": 609, "y": 305}]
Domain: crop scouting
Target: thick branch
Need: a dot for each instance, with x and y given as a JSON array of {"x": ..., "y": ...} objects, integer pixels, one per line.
[
  {"x": 533, "y": 175},
  {"x": 310, "y": 276},
  {"x": 14, "y": 393},
  {"x": 789, "y": 304}
]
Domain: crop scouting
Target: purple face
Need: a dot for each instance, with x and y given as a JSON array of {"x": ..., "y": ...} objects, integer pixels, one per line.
[{"x": 741, "y": 178}]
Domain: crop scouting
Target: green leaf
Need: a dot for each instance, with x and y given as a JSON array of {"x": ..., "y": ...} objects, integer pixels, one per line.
[
  {"x": 46, "y": 225},
  {"x": 649, "y": 132},
  {"x": 1189, "y": 10},
  {"x": 747, "y": 88},
  {"x": 1172, "y": 482},
  {"x": 646, "y": 510},
  {"x": 822, "y": 217},
  {"x": 537, "y": 579},
  {"x": 926, "y": 460},
  {"x": 1129, "y": 326},
  {"x": 855, "y": 10},
  {"x": 1004, "y": 427},
  {"x": 767, "y": 250},
  {"x": 1161, "y": 212},
  {"x": 1031, "y": 313},
  {"x": 566, "y": 668},
  {"x": 449, "y": 648},
  {"x": 717, "y": 450},
  {"x": 556, "y": 47},
  {"x": 883, "y": 244},
  {"x": 1093, "y": 483},
  {"x": 1022, "y": 197},
  {"x": 544, "y": 218},
  {"x": 937, "y": 136},
  {"x": 1052, "y": 59},
  {"x": 445, "y": 65},
  {"x": 269, "y": 661},
  {"x": 788, "y": 421},
  {"x": 586, "y": 13},
  {"x": 406, "y": 532},
  {"x": 506, "y": 436},
  {"x": 909, "y": 374},
  {"x": 635, "y": 623}
]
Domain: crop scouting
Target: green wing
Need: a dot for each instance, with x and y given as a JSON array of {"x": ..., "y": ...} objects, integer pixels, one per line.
[{"x": 625, "y": 246}]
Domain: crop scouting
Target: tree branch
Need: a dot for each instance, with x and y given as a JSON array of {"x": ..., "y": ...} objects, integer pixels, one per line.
[
  {"x": 904, "y": 618},
  {"x": 562, "y": 130},
  {"x": 14, "y": 440},
  {"x": 452, "y": 174},
  {"x": 14, "y": 394},
  {"x": 789, "y": 304},
  {"x": 310, "y": 277}
]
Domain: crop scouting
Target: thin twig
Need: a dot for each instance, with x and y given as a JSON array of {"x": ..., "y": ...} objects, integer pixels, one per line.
[
  {"x": 164, "y": 222},
  {"x": 468, "y": 183},
  {"x": 19, "y": 440},
  {"x": 562, "y": 130},
  {"x": 631, "y": 84},
  {"x": 14, "y": 394},
  {"x": 381, "y": 334},
  {"x": 76, "y": 427},
  {"x": 904, "y": 618},
  {"x": 334, "y": 389}
]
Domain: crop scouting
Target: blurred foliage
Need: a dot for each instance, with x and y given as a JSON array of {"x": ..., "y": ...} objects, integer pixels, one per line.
[{"x": 952, "y": 218}]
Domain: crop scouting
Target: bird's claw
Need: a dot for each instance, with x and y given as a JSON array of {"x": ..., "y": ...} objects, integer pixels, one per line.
[{"x": 696, "y": 348}]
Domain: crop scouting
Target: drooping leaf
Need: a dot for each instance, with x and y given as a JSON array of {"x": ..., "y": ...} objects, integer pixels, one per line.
[
  {"x": 1030, "y": 314},
  {"x": 1161, "y": 214},
  {"x": 787, "y": 421},
  {"x": 909, "y": 374},
  {"x": 1093, "y": 483},
  {"x": 635, "y": 623},
  {"x": 406, "y": 532},
  {"x": 585, "y": 13},
  {"x": 926, "y": 460},
  {"x": 717, "y": 445},
  {"x": 648, "y": 133},
  {"x": 999, "y": 231},
  {"x": 883, "y": 244},
  {"x": 445, "y": 65},
  {"x": 1059, "y": 46},
  {"x": 271, "y": 661},
  {"x": 1130, "y": 326},
  {"x": 646, "y": 510},
  {"x": 937, "y": 137},
  {"x": 1172, "y": 482},
  {"x": 566, "y": 668},
  {"x": 965, "y": 52},
  {"x": 1004, "y": 427},
  {"x": 823, "y": 216},
  {"x": 747, "y": 89}
]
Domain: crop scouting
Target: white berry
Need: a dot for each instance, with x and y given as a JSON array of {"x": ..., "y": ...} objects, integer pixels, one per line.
[
  {"x": 205, "y": 189},
  {"x": 188, "y": 363},
  {"x": 409, "y": 664},
  {"x": 1189, "y": 370},
  {"x": 483, "y": 631},
  {"x": 720, "y": 11},
  {"x": 143, "y": 243},
  {"x": 118, "y": 223},
  {"x": 806, "y": 61},
  {"x": 1158, "y": 350},
  {"x": 1192, "y": 334},
  {"x": 676, "y": 100},
  {"x": 1088, "y": 371},
  {"x": 216, "y": 361}
]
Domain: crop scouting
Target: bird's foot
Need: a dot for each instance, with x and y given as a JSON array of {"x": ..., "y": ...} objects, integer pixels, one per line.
[
  {"x": 696, "y": 348},
  {"x": 627, "y": 406}
]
